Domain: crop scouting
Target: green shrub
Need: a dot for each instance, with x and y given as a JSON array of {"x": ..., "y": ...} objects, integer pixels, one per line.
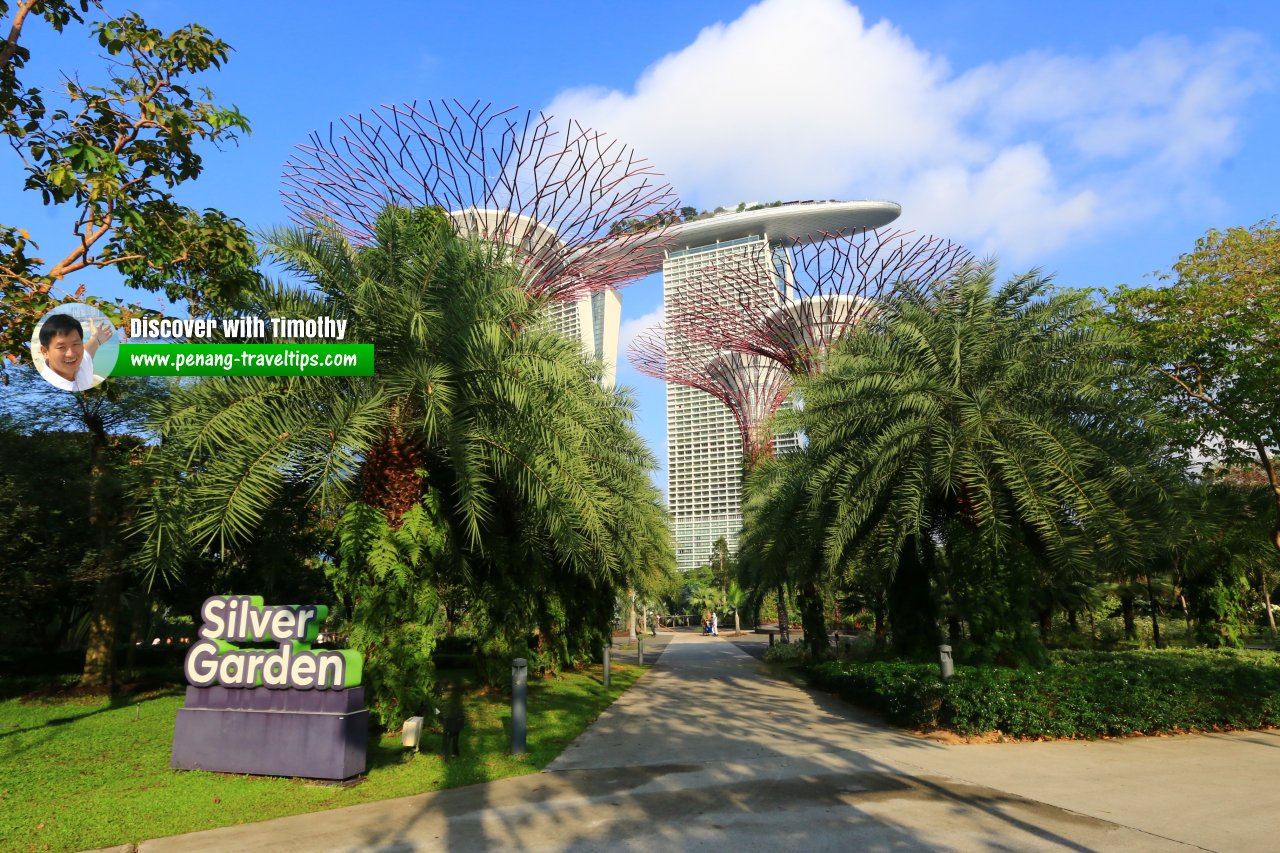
[
  {"x": 454, "y": 651},
  {"x": 860, "y": 621},
  {"x": 494, "y": 657},
  {"x": 909, "y": 694},
  {"x": 790, "y": 654},
  {"x": 397, "y": 615},
  {"x": 398, "y": 675},
  {"x": 1080, "y": 694}
]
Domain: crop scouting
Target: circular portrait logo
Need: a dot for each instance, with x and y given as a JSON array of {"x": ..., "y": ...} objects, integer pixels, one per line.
[{"x": 75, "y": 347}]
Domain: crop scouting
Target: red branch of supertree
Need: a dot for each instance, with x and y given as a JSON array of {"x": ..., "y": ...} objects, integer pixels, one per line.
[
  {"x": 791, "y": 303},
  {"x": 751, "y": 387},
  {"x": 580, "y": 210}
]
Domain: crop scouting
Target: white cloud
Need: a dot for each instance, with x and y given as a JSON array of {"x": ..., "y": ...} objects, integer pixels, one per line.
[
  {"x": 630, "y": 329},
  {"x": 804, "y": 99}
]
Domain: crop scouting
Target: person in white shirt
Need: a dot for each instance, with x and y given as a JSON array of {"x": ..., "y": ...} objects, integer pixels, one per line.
[{"x": 68, "y": 357}]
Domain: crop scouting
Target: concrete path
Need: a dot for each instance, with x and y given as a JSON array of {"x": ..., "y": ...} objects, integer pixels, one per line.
[{"x": 710, "y": 748}]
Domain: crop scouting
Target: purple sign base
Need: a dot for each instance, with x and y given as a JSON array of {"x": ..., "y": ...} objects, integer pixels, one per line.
[{"x": 317, "y": 734}]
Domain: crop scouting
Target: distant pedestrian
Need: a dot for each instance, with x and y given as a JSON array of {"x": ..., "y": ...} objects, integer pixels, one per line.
[{"x": 715, "y": 625}]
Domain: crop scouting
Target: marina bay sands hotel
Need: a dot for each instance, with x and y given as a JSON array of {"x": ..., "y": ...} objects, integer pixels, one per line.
[{"x": 704, "y": 444}]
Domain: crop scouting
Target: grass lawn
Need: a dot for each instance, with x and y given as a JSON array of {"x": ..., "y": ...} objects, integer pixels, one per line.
[{"x": 79, "y": 774}]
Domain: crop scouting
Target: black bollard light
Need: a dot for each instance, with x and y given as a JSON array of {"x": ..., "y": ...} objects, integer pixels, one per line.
[{"x": 519, "y": 697}]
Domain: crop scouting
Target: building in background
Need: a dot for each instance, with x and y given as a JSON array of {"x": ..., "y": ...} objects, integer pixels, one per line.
[
  {"x": 593, "y": 320},
  {"x": 704, "y": 442}
]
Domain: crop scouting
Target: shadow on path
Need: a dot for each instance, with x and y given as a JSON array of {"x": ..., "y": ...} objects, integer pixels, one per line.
[{"x": 710, "y": 747}]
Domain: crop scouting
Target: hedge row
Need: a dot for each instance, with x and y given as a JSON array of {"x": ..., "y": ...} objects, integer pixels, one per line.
[{"x": 1081, "y": 694}]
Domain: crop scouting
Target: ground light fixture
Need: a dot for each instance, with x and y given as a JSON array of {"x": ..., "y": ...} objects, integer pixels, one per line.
[{"x": 411, "y": 734}]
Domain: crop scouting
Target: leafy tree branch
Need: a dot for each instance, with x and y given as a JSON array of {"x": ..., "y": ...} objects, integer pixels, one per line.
[{"x": 114, "y": 153}]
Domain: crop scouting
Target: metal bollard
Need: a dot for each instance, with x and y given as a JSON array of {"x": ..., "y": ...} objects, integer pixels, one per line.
[
  {"x": 640, "y": 650},
  {"x": 608, "y": 681},
  {"x": 519, "y": 696},
  {"x": 945, "y": 663}
]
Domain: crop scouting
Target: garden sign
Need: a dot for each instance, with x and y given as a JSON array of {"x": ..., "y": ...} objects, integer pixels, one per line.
[{"x": 261, "y": 700}]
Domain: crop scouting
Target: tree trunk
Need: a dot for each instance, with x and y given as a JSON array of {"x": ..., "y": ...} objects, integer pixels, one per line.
[
  {"x": 391, "y": 481},
  {"x": 913, "y": 613},
  {"x": 631, "y": 613},
  {"x": 1046, "y": 624},
  {"x": 1273, "y": 480},
  {"x": 881, "y": 630},
  {"x": 784, "y": 618},
  {"x": 1074, "y": 621},
  {"x": 1126, "y": 610},
  {"x": 104, "y": 618},
  {"x": 953, "y": 631},
  {"x": 813, "y": 616},
  {"x": 1155, "y": 618},
  {"x": 99, "y": 657}
]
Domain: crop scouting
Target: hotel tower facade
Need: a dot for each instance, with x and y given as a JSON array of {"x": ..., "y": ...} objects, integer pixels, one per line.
[{"x": 704, "y": 444}]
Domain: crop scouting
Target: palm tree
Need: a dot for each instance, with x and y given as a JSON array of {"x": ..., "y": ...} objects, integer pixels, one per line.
[
  {"x": 735, "y": 598},
  {"x": 780, "y": 547},
  {"x": 721, "y": 563},
  {"x": 1003, "y": 420},
  {"x": 527, "y": 486},
  {"x": 1215, "y": 550},
  {"x": 706, "y": 600}
]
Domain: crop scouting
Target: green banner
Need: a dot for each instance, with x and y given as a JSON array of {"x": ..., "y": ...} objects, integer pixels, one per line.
[{"x": 244, "y": 360}]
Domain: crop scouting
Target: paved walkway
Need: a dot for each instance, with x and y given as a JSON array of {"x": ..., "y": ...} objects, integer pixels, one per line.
[{"x": 709, "y": 748}]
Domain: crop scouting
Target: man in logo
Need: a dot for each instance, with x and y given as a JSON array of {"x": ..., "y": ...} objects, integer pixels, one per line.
[{"x": 68, "y": 357}]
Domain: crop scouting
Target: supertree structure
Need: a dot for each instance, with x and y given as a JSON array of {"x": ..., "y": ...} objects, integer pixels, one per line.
[
  {"x": 579, "y": 209},
  {"x": 750, "y": 386},
  {"x": 790, "y": 303}
]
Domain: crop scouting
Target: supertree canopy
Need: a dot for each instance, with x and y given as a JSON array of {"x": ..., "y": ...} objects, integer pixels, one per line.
[
  {"x": 750, "y": 386},
  {"x": 579, "y": 209},
  {"x": 791, "y": 303}
]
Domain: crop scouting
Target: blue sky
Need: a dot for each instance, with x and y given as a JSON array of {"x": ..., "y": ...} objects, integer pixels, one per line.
[{"x": 1095, "y": 140}]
